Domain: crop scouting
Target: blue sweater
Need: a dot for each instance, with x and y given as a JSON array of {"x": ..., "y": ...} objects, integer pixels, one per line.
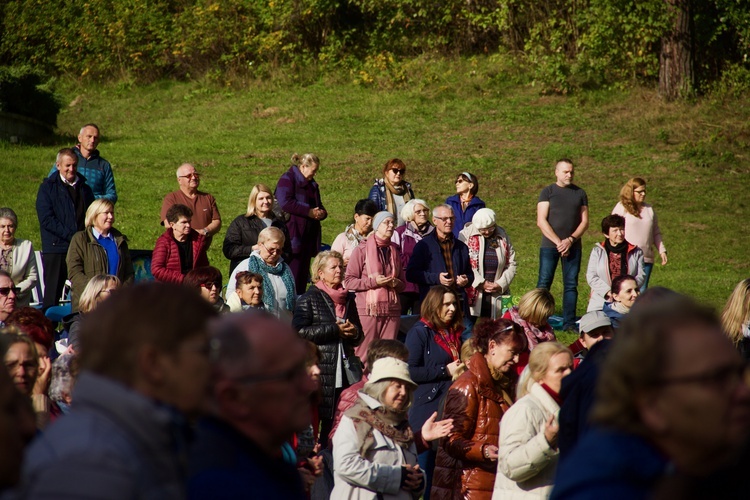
[{"x": 98, "y": 174}]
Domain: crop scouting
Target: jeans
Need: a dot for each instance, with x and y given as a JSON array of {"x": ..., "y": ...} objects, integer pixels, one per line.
[
  {"x": 647, "y": 267},
  {"x": 571, "y": 266}
]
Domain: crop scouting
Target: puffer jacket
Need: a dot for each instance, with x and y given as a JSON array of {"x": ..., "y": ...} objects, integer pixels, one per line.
[
  {"x": 165, "y": 260},
  {"x": 315, "y": 320},
  {"x": 87, "y": 258},
  {"x": 242, "y": 235},
  {"x": 476, "y": 407}
]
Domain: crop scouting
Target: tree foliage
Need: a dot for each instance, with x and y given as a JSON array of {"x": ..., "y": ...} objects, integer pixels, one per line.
[{"x": 565, "y": 44}]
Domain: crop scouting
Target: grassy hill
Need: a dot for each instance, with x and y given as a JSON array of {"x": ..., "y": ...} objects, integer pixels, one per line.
[{"x": 693, "y": 155}]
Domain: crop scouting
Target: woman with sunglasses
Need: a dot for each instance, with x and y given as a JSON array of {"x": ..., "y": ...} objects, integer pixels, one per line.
[
  {"x": 17, "y": 257},
  {"x": 208, "y": 281},
  {"x": 279, "y": 292},
  {"x": 465, "y": 202},
  {"x": 641, "y": 226},
  {"x": 391, "y": 192}
]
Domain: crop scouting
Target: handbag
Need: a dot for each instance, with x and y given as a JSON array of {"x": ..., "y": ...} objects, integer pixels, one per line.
[{"x": 352, "y": 367}]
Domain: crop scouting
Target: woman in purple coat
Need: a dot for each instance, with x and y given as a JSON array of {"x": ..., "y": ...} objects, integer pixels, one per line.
[{"x": 299, "y": 196}]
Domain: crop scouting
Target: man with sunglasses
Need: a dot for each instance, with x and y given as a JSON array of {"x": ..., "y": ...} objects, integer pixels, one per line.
[
  {"x": 262, "y": 395},
  {"x": 672, "y": 408},
  {"x": 8, "y": 293},
  {"x": 206, "y": 219}
]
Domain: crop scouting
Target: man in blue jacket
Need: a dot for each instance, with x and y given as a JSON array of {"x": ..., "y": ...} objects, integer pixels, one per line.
[
  {"x": 96, "y": 170},
  {"x": 61, "y": 204}
]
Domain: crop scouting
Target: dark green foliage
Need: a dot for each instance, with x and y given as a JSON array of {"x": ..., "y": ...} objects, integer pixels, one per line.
[{"x": 25, "y": 91}]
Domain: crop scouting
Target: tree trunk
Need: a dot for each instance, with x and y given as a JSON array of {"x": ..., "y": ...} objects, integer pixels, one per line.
[{"x": 676, "y": 78}]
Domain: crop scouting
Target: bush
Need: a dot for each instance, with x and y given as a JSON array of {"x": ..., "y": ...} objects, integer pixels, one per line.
[{"x": 27, "y": 92}]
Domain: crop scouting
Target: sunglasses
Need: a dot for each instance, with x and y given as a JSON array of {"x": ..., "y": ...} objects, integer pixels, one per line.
[
  {"x": 190, "y": 176},
  {"x": 211, "y": 285},
  {"x": 5, "y": 291},
  {"x": 400, "y": 171}
]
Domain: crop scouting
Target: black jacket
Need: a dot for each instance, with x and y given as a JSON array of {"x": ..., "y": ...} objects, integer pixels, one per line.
[
  {"x": 315, "y": 320},
  {"x": 243, "y": 234}
]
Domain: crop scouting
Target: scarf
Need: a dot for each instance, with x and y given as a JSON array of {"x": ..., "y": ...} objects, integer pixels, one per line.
[
  {"x": 380, "y": 300},
  {"x": 554, "y": 395},
  {"x": 617, "y": 256},
  {"x": 475, "y": 247},
  {"x": 258, "y": 265},
  {"x": 393, "y": 424},
  {"x": 449, "y": 340},
  {"x": 390, "y": 190},
  {"x": 353, "y": 235},
  {"x": 619, "y": 307},
  {"x": 534, "y": 334},
  {"x": 338, "y": 296},
  {"x": 424, "y": 230}
]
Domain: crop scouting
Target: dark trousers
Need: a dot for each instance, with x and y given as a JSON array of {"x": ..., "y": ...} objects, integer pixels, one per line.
[{"x": 55, "y": 274}]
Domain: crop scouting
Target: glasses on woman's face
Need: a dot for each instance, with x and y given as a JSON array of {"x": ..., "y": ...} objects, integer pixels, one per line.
[
  {"x": 398, "y": 171},
  {"x": 5, "y": 291},
  {"x": 641, "y": 192},
  {"x": 460, "y": 180},
  {"x": 272, "y": 251},
  {"x": 210, "y": 285}
]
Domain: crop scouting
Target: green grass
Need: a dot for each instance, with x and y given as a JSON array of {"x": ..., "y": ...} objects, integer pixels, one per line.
[{"x": 463, "y": 117}]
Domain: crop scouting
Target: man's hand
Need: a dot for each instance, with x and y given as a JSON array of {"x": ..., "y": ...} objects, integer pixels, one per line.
[
  {"x": 445, "y": 279},
  {"x": 564, "y": 246}
]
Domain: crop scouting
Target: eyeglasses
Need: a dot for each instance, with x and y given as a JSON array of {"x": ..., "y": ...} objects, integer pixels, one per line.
[
  {"x": 461, "y": 180},
  {"x": 195, "y": 175},
  {"x": 272, "y": 251},
  {"x": 400, "y": 171},
  {"x": 446, "y": 219},
  {"x": 4, "y": 291},
  {"x": 639, "y": 191},
  {"x": 721, "y": 379},
  {"x": 294, "y": 373},
  {"x": 212, "y": 284}
]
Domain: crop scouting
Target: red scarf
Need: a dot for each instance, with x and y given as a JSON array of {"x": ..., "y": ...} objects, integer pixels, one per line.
[
  {"x": 449, "y": 340},
  {"x": 338, "y": 296},
  {"x": 552, "y": 393},
  {"x": 380, "y": 300}
]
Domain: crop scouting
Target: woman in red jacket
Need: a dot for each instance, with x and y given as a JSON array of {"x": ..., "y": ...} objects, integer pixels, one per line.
[{"x": 180, "y": 249}]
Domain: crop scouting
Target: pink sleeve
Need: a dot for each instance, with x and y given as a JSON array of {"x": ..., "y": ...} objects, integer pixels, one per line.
[{"x": 355, "y": 280}]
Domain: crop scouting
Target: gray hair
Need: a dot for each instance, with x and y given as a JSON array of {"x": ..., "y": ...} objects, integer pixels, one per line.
[
  {"x": 271, "y": 233},
  {"x": 8, "y": 213},
  {"x": 306, "y": 159},
  {"x": 69, "y": 152},
  {"x": 442, "y": 205},
  {"x": 94, "y": 125}
]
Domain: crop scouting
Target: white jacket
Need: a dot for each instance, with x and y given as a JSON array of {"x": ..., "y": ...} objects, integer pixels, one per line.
[
  {"x": 526, "y": 464},
  {"x": 597, "y": 273},
  {"x": 362, "y": 478},
  {"x": 506, "y": 264},
  {"x": 24, "y": 273}
]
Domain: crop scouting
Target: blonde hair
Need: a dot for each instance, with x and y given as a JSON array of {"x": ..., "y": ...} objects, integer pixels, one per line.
[
  {"x": 321, "y": 260},
  {"x": 627, "y": 197},
  {"x": 98, "y": 206},
  {"x": 90, "y": 295},
  {"x": 737, "y": 311},
  {"x": 254, "y": 192},
  {"x": 536, "y": 306},
  {"x": 538, "y": 365},
  {"x": 467, "y": 351},
  {"x": 271, "y": 234}
]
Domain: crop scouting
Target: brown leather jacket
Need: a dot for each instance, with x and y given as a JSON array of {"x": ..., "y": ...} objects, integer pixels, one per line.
[{"x": 476, "y": 407}]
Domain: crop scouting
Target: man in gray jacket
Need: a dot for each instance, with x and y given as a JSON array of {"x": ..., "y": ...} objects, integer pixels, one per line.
[{"x": 144, "y": 364}]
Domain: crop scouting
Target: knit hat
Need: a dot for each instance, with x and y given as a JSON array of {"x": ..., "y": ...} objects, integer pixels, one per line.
[
  {"x": 380, "y": 217},
  {"x": 593, "y": 320},
  {"x": 385, "y": 368},
  {"x": 484, "y": 218}
]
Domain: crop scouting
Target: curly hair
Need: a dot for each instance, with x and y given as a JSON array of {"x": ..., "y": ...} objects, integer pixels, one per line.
[{"x": 627, "y": 198}]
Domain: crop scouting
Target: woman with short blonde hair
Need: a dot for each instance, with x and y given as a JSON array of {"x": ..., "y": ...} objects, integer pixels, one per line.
[{"x": 242, "y": 235}]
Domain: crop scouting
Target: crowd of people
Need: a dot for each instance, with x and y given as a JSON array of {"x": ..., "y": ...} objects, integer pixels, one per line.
[{"x": 393, "y": 365}]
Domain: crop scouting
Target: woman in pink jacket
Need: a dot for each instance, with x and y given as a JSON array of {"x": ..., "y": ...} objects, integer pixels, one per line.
[{"x": 641, "y": 226}]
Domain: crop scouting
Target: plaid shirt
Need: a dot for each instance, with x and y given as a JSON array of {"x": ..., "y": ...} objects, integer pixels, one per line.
[{"x": 446, "y": 245}]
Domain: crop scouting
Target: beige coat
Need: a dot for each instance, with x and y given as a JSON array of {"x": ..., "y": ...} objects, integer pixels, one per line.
[
  {"x": 24, "y": 272},
  {"x": 526, "y": 464}
]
